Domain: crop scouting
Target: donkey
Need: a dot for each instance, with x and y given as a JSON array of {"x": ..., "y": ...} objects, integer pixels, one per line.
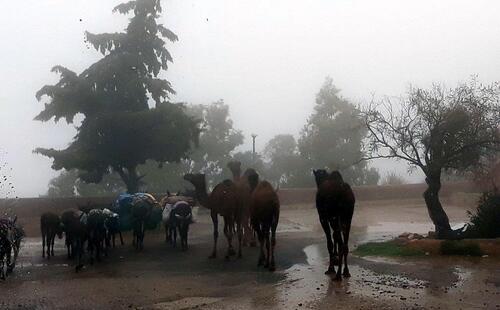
[
  {"x": 112, "y": 224},
  {"x": 141, "y": 210},
  {"x": 11, "y": 235},
  {"x": 335, "y": 205},
  {"x": 178, "y": 217},
  {"x": 96, "y": 233},
  {"x": 264, "y": 217},
  {"x": 50, "y": 225},
  {"x": 75, "y": 228}
]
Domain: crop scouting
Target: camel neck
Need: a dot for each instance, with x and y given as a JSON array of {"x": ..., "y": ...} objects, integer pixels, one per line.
[
  {"x": 236, "y": 175},
  {"x": 202, "y": 196}
]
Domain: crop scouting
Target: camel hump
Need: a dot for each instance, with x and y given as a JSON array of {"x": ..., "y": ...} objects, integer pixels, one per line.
[
  {"x": 264, "y": 185},
  {"x": 227, "y": 182}
]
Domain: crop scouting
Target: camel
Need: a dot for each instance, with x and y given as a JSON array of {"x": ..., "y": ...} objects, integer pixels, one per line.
[
  {"x": 335, "y": 205},
  {"x": 264, "y": 215},
  {"x": 244, "y": 193},
  {"x": 223, "y": 200},
  {"x": 50, "y": 225}
]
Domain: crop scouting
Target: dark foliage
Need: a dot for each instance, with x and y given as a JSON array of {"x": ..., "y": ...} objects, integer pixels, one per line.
[
  {"x": 119, "y": 130},
  {"x": 485, "y": 222}
]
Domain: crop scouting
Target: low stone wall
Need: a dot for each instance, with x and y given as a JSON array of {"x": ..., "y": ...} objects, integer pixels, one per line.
[{"x": 29, "y": 210}]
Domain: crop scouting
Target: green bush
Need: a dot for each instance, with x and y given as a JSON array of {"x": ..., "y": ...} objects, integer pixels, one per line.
[
  {"x": 485, "y": 223},
  {"x": 460, "y": 247}
]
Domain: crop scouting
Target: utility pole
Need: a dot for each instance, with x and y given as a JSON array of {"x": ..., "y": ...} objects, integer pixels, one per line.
[{"x": 253, "y": 147}]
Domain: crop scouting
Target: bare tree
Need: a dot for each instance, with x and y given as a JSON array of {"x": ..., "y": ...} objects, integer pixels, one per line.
[{"x": 435, "y": 130}]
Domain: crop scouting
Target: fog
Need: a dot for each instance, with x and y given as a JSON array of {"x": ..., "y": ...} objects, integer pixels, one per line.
[{"x": 266, "y": 59}]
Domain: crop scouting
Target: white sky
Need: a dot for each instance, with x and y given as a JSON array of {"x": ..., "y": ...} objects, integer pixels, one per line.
[{"x": 266, "y": 59}]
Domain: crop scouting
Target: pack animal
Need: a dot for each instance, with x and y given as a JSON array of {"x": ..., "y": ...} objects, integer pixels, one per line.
[
  {"x": 50, "y": 225},
  {"x": 141, "y": 210},
  {"x": 177, "y": 218},
  {"x": 11, "y": 235},
  {"x": 112, "y": 225},
  {"x": 96, "y": 234},
  {"x": 75, "y": 228}
]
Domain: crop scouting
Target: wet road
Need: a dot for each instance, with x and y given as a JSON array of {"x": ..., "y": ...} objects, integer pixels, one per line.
[{"x": 164, "y": 278}]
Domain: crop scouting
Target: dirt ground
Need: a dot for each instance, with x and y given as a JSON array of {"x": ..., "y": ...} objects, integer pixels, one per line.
[{"x": 161, "y": 277}]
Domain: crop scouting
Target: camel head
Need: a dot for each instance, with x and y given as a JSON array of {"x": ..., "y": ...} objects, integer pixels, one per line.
[
  {"x": 197, "y": 179},
  {"x": 235, "y": 167},
  {"x": 253, "y": 178},
  {"x": 320, "y": 175}
]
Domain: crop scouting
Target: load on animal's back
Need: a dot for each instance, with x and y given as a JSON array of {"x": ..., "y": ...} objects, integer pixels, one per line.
[
  {"x": 177, "y": 216},
  {"x": 11, "y": 235},
  {"x": 139, "y": 211}
]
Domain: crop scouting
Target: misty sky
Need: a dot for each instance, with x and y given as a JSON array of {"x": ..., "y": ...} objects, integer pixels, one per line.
[{"x": 266, "y": 59}]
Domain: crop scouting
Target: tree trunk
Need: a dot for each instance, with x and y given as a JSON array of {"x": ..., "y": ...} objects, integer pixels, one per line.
[
  {"x": 131, "y": 179},
  {"x": 435, "y": 209}
]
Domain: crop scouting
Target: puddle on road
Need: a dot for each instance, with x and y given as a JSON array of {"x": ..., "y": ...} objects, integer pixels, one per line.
[
  {"x": 307, "y": 286},
  {"x": 290, "y": 226},
  {"x": 184, "y": 303}
]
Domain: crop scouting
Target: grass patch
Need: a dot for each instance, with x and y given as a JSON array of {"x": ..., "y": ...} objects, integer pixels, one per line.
[
  {"x": 458, "y": 247},
  {"x": 388, "y": 248}
]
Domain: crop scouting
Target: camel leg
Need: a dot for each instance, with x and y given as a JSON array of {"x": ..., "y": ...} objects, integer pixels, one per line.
[
  {"x": 329, "y": 244},
  {"x": 43, "y": 244},
  {"x": 262, "y": 256},
  {"x": 215, "y": 222},
  {"x": 268, "y": 246},
  {"x": 345, "y": 231},
  {"x": 228, "y": 231},
  {"x": 48, "y": 242},
  {"x": 52, "y": 241},
  {"x": 121, "y": 237},
  {"x": 240, "y": 237},
  {"x": 338, "y": 236},
  {"x": 79, "y": 249},
  {"x": 272, "y": 267}
]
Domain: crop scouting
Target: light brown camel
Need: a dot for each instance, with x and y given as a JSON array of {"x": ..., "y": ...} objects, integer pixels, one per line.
[
  {"x": 223, "y": 200},
  {"x": 264, "y": 214},
  {"x": 244, "y": 195}
]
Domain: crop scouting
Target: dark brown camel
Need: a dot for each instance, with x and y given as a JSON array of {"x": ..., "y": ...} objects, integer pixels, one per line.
[
  {"x": 335, "y": 205},
  {"x": 50, "y": 225},
  {"x": 245, "y": 196},
  {"x": 264, "y": 215},
  {"x": 223, "y": 200}
]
